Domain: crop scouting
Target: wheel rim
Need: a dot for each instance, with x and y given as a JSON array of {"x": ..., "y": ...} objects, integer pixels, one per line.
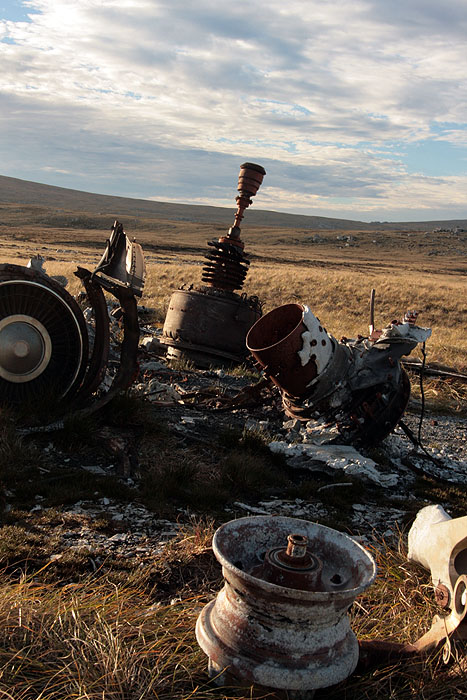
[{"x": 43, "y": 341}]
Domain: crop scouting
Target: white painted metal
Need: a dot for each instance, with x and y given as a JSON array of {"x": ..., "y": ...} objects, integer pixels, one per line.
[{"x": 439, "y": 543}]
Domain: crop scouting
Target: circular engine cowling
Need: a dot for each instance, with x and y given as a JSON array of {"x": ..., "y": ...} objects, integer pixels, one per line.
[{"x": 43, "y": 337}]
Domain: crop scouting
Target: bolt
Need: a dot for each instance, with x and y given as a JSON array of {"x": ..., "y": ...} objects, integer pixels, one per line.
[
  {"x": 442, "y": 595},
  {"x": 296, "y": 545}
]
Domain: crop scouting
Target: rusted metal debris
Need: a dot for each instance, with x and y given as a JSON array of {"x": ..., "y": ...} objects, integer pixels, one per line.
[
  {"x": 434, "y": 370},
  {"x": 280, "y": 621},
  {"x": 439, "y": 543},
  {"x": 44, "y": 340},
  {"x": 208, "y": 325},
  {"x": 357, "y": 384},
  {"x": 227, "y": 265},
  {"x": 215, "y": 398}
]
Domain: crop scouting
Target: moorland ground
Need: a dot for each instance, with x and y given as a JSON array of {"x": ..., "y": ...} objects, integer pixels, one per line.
[
  {"x": 129, "y": 635},
  {"x": 331, "y": 271}
]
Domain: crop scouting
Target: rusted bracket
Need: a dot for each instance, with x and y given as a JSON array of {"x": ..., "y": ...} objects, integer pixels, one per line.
[
  {"x": 247, "y": 397},
  {"x": 433, "y": 370},
  {"x": 100, "y": 351},
  {"x": 128, "y": 363},
  {"x": 128, "y": 356},
  {"x": 371, "y": 327},
  {"x": 377, "y": 652},
  {"x": 444, "y": 630}
]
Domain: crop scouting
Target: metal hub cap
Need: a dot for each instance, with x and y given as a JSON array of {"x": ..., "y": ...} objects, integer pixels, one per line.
[{"x": 25, "y": 348}]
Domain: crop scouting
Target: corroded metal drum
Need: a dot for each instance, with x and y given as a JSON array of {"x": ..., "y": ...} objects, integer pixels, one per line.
[
  {"x": 281, "y": 619},
  {"x": 208, "y": 328}
]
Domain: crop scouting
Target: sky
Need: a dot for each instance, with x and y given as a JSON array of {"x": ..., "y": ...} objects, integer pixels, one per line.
[{"x": 356, "y": 108}]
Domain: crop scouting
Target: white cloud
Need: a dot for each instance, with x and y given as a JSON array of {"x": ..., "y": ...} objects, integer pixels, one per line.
[{"x": 323, "y": 94}]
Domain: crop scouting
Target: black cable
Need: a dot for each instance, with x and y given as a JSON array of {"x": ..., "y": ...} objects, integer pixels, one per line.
[{"x": 422, "y": 392}]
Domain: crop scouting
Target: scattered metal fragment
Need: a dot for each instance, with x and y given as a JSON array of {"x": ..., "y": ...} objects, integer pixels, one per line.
[
  {"x": 208, "y": 325},
  {"x": 280, "y": 621},
  {"x": 434, "y": 370},
  {"x": 439, "y": 543},
  {"x": 44, "y": 340},
  {"x": 357, "y": 384},
  {"x": 332, "y": 457},
  {"x": 248, "y": 397}
]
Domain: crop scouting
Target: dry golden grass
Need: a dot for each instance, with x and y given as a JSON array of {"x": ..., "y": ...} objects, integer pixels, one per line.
[
  {"x": 340, "y": 298},
  {"x": 94, "y": 640},
  {"x": 97, "y": 641},
  {"x": 335, "y": 283}
]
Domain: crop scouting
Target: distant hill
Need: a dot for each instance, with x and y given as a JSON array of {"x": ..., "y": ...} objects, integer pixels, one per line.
[{"x": 24, "y": 192}]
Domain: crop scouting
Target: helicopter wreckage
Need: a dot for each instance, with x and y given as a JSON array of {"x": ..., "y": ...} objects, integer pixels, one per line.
[{"x": 49, "y": 350}]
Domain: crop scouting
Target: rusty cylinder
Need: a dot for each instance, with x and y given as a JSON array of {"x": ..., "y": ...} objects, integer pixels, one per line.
[
  {"x": 280, "y": 620},
  {"x": 208, "y": 329},
  {"x": 291, "y": 346}
]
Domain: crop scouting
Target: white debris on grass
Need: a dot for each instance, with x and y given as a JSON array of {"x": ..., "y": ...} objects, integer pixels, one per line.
[
  {"x": 153, "y": 345},
  {"x": 297, "y": 508},
  {"x": 445, "y": 463},
  {"x": 342, "y": 457},
  {"x": 94, "y": 469},
  {"x": 387, "y": 521},
  {"x": 320, "y": 433},
  {"x": 152, "y": 366},
  {"x": 250, "y": 509},
  {"x": 326, "y": 487},
  {"x": 139, "y": 521},
  {"x": 258, "y": 425},
  {"x": 156, "y": 391}
]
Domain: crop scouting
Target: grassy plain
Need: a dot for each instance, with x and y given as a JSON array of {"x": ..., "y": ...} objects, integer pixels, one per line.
[
  {"x": 408, "y": 269},
  {"x": 93, "y": 640},
  {"x": 90, "y": 639}
]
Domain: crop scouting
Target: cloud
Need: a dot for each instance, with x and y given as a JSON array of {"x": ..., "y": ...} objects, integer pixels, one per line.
[{"x": 159, "y": 98}]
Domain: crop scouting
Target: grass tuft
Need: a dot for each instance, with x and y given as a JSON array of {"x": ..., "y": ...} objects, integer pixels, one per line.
[{"x": 94, "y": 639}]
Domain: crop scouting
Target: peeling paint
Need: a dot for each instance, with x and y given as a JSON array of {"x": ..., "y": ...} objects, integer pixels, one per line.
[
  {"x": 357, "y": 384},
  {"x": 317, "y": 344},
  {"x": 265, "y": 632},
  {"x": 406, "y": 330}
]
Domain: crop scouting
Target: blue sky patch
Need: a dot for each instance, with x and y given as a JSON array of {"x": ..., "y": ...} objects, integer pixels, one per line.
[
  {"x": 15, "y": 11},
  {"x": 167, "y": 99},
  {"x": 435, "y": 158}
]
